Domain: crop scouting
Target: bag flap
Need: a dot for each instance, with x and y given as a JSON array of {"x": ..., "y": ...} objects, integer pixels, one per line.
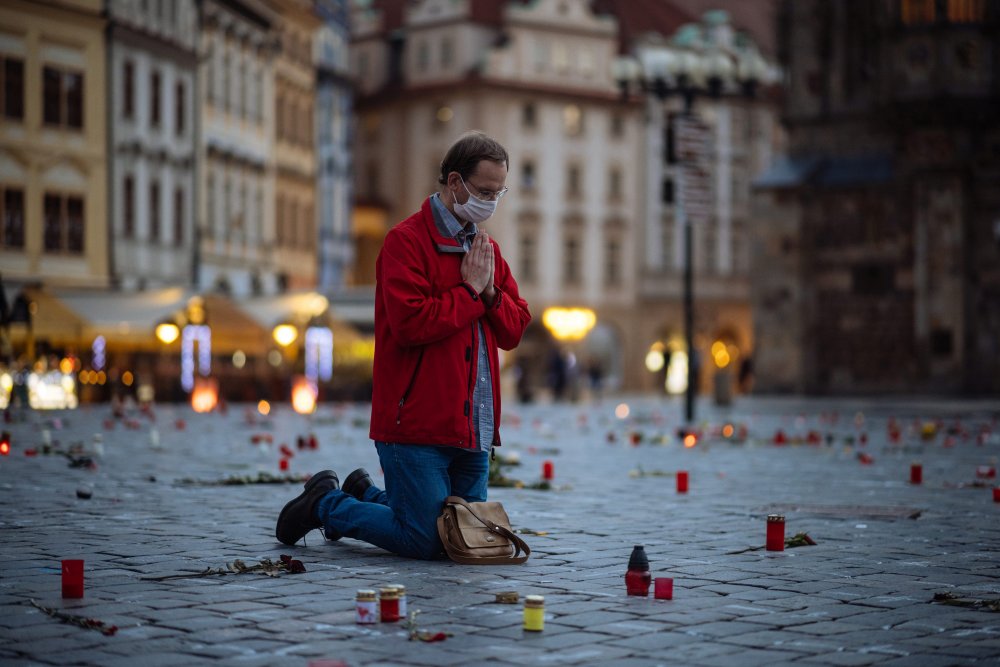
[{"x": 489, "y": 511}]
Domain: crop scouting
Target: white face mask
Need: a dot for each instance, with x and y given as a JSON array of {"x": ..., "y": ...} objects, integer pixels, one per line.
[{"x": 475, "y": 210}]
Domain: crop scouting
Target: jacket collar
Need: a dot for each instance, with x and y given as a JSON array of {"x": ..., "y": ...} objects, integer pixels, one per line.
[{"x": 442, "y": 229}]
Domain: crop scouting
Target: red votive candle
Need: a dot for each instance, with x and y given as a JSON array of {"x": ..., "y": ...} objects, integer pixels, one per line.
[
  {"x": 916, "y": 473},
  {"x": 72, "y": 578},
  {"x": 389, "y": 605},
  {"x": 283, "y": 464},
  {"x": 637, "y": 578},
  {"x": 548, "y": 470},
  {"x": 663, "y": 588},
  {"x": 682, "y": 481},
  {"x": 775, "y": 532}
]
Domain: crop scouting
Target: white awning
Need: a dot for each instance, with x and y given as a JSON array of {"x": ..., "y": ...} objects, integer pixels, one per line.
[{"x": 126, "y": 316}]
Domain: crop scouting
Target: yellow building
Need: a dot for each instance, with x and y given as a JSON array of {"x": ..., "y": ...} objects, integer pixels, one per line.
[
  {"x": 53, "y": 158},
  {"x": 296, "y": 235}
]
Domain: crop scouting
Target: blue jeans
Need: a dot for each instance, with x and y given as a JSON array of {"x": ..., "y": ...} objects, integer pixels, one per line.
[{"x": 403, "y": 518}]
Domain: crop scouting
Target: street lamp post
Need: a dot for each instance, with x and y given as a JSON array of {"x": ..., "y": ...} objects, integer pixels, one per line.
[{"x": 697, "y": 61}]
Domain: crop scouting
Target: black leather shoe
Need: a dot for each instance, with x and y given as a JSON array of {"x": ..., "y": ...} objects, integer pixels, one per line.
[
  {"x": 299, "y": 516},
  {"x": 356, "y": 483}
]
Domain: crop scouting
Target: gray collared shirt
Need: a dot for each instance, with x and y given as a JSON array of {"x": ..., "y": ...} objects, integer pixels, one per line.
[{"x": 482, "y": 395}]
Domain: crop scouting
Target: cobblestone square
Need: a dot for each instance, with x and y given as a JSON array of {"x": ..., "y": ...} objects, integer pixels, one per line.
[{"x": 860, "y": 596}]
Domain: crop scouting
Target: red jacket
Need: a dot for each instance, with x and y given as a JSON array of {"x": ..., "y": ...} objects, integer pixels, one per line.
[{"x": 426, "y": 342}]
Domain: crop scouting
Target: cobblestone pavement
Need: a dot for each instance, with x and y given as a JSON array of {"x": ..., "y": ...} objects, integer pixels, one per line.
[{"x": 860, "y": 596}]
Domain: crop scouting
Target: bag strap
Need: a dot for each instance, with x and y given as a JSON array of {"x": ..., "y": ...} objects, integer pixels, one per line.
[{"x": 519, "y": 544}]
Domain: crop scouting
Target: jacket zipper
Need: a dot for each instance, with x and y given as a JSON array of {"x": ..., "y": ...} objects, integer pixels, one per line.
[
  {"x": 409, "y": 386},
  {"x": 473, "y": 441}
]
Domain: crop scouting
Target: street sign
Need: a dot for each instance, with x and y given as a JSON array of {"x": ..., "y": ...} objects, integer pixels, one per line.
[{"x": 694, "y": 153}]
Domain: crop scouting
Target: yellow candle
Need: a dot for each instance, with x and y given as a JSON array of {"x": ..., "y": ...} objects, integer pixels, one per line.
[{"x": 534, "y": 613}]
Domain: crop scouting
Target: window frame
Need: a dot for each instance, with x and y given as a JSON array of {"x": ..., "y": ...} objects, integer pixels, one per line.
[
  {"x": 63, "y": 93},
  {"x": 180, "y": 108},
  {"x": 612, "y": 263},
  {"x": 571, "y": 266},
  {"x": 178, "y": 216},
  {"x": 529, "y": 115},
  {"x": 155, "y": 99},
  {"x": 128, "y": 90},
  {"x": 573, "y": 128},
  {"x": 5, "y": 189},
  {"x": 616, "y": 183},
  {"x": 5, "y": 99},
  {"x": 574, "y": 180},
  {"x": 155, "y": 212},
  {"x": 527, "y": 247},
  {"x": 529, "y": 175},
  {"x": 64, "y": 231},
  {"x": 128, "y": 206}
]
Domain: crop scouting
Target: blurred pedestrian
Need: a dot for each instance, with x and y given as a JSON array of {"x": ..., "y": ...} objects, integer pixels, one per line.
[
  {"x": 595, "y": 373},
  {"x": 558, "y": 374},
  {"x": 745, "y": 376},
  {"x": 445, "y": 300},
  {"x": 522, "y": 374}
]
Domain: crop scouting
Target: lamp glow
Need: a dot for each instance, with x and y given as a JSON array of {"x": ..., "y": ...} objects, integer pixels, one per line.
[
  {"x": 202, "y": 335},
  {"x": 97, "y": 360},
  {"x": 319, "y": 354},
  {"x": 205, "y": 395},
  {"x": 303, "y": 397},
  {"x": 167, "y": 332},
  {"x": 285, "y": 334},
  {"x": 654, "y": 358},
  {"x": 568, "y": 324}
]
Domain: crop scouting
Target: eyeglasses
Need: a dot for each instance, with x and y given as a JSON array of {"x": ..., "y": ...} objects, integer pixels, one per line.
[{"x": 486, "y": 195}]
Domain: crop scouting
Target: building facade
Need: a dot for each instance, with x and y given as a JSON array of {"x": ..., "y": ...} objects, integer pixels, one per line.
[
  {"x": 334, "y": 132},
  {"x": 152, "y": 53},
  {"x": 236, "y": 234},
  {"x": 535, "y": 77},
  {"x": 877, "y": 234},
  {"x": 53, "y": 148},
  {"x": 296, "y": 235},
  {"x": 590, "y": 218}
]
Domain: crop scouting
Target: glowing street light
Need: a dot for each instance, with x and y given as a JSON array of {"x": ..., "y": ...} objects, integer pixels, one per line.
[
  {"x": 285, "y": 334},
  {"x": 568, "y": 324},
  {"x": 167, "y": 332}
]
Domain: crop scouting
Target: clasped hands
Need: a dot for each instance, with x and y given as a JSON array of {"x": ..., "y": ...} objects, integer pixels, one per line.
[{"x": 477, "y": 267}]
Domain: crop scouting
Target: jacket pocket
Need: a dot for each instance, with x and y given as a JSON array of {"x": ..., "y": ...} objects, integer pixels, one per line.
[{"x": 409, "y": 387}]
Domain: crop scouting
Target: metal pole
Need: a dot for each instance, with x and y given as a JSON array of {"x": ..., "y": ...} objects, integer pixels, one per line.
[
  {"x": 685, "y": 219},
  {"x": 689, "y": 323}
]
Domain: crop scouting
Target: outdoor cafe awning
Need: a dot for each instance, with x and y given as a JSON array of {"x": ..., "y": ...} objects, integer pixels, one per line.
[
  {"x": 826, "y": 171},
  {"x": 301, "y": 309},
  {"x": 788, "y": 172},
  {"x": 129, "y": 319},
  {"x": 76, "y": 317}
]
